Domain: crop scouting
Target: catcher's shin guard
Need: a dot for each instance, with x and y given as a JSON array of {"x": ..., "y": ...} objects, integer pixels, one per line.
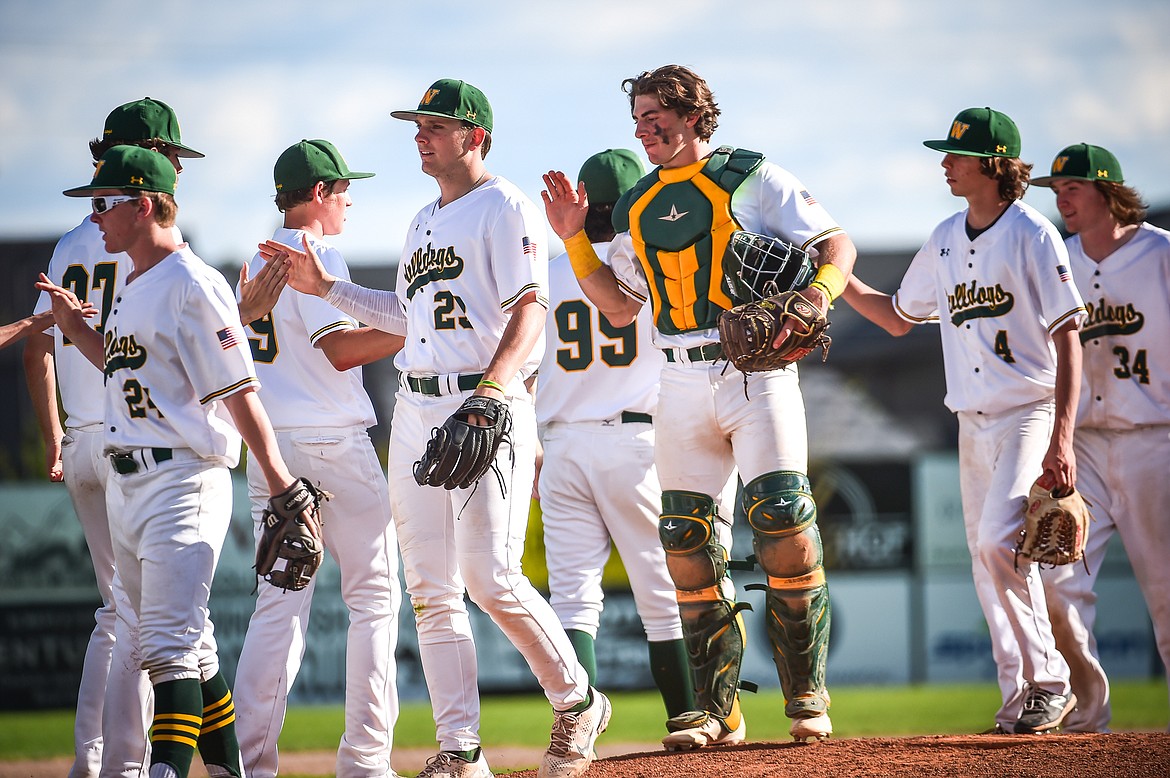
[
  {"x": 782, "y": 515},
  {"x": 712, "y": 627}
]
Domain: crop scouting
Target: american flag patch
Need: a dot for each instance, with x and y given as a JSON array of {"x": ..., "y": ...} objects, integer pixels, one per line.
[
  {"x": 1062, "y": 271},
  {"x": 229, "y": 337},
  {"x": 807, "y": 197},
  {"x": 529, "y": 247}
]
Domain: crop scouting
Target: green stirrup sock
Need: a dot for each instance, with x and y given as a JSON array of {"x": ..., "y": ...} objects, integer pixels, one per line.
[
  {"x": 178, "y": 715},
  {"x": 217, "y": 738},
  {"x": 672, "y": 675},
  {"x": 586, "y": 654}
]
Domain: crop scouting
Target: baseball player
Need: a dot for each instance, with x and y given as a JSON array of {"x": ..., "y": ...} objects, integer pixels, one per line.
[
  {"x": 472, "y": 282},
  {"x": 110, "y": 677},
  {"x": 995, "y": 277},
  {"x": 673, "y": 227},
  {"x": 304, "y": 351},
  {"x": 179, "y": 382},
  {"x": 1122, "y": 265},
  {"x": 595, "y": 402}
]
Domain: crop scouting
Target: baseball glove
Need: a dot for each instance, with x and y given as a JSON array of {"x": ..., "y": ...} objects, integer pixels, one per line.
[
  {"x": 747, "y": 332},
  {"x": 459, "y": 453},
  {"x": 1056, "y": 528},
  {"x": 291, "y": 530}
]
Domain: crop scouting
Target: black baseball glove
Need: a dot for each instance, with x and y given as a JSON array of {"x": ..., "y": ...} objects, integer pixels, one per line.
[
  {"x": 459, "y": 453},
  {"x": 747, "y": 332},
  {"x": 291, "y": 530}
]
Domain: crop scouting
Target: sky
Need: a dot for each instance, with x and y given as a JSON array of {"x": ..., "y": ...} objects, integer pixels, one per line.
[{"x": 840, "y": 92}]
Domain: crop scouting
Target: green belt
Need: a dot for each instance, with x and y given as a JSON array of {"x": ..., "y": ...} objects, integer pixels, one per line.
[
  {"x": 707, "y": 353},
  {"x": 633, "y": 417},
  {"x": 429, "y": 384},
  {"x": 124, "y": 462}
]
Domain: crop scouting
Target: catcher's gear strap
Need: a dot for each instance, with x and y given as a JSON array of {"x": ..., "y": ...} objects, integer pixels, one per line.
[
  {"x": 779, "y": 503},
  {"x": 682, "y": 261},
  {"x": 686, "y": 528}
]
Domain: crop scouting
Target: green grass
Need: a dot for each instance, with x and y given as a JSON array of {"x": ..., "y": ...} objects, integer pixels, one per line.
[{"x": 859, "y": 711}]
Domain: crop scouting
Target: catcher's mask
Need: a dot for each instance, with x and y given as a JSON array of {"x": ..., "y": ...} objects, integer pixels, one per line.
[{"x": 757, "y": 266}]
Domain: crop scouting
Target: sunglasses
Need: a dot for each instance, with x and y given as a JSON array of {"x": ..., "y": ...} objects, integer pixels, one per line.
[{"x": 103, "y": 204}]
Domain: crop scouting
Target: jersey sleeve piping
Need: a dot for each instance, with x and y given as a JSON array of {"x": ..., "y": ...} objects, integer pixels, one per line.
[
  {"x": 815, "y": 239},
  {"x": 334, "y": 327},
  {"x": 629, "y": 291},
  {"x": 911, "y": 318},
  {"x": 232, "y": 389},
  {"x": 526, "y": 289},
  {"x": 1075, "y": 312}
]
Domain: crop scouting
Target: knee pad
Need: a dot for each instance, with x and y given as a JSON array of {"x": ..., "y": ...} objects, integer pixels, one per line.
[
  {"x": 782, "y": 515},
  {"x": 687, "y": 531}
]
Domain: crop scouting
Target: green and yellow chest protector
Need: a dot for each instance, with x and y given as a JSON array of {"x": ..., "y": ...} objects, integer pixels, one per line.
[{"x": 680, "y": 220}]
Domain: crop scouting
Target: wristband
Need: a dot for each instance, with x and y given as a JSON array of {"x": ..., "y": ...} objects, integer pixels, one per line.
[
  {"x": 830, "y": 279},
  {"x": 491, "y": 385},
  {"x": 581, "y": 255}
]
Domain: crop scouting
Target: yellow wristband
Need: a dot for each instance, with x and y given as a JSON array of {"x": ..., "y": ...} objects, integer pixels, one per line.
[
  {"x": 491, "y": 385},
  {"x": 831, "y": 280},
  {"x": 581, "y": 255}
]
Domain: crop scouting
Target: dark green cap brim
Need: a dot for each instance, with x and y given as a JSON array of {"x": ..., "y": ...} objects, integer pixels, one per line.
[
  {"x": 949, "y": 148},
  {"x": 409, "y": 116}
]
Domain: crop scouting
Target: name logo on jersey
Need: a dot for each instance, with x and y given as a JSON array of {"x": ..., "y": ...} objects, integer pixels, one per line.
[
  {"x": 123, "y": 353},
  {"x": 1104, "y": 320},
  {"x": 674, "y": 215},
  {"x": 430, "y": 264},
  {"x": 971, "y": 301}
]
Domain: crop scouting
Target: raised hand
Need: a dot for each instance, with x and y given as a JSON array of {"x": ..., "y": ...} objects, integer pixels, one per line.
[{"x": 565, "y": 206}]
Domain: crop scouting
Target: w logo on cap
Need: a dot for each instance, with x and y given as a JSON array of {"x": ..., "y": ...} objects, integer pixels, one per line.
[
  {"x": 959, "y": 129},
  {"x": 430, "y": 95},
  {"x": 1058, "y": 164},
  {"x": 98, "y": 168}
]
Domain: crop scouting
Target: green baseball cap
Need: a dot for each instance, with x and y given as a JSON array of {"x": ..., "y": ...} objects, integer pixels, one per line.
[
  {"x": 980, "y": 132},
  {"x": 608, "y": 174},
  {"x": 454, "y": 99},
  {"x": 130, "y": 167},
  {"x": 1085, "y": 162},
  {"x": 304, "y": 164},
  {"x": 146, "y": 119}
]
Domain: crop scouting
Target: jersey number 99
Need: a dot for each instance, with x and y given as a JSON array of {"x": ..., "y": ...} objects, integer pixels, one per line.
[{"x": 574, "y": 321}]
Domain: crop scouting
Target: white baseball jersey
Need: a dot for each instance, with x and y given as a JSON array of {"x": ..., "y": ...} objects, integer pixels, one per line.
[
  {"x": 163, "y": 386},
  {"x": 1125, "y": 335},
  {"x": 80, "y": 263},
  {"x": 989, "y": 294},
  {"x": 493, "y": 242},
  {"x": 1122, "y": 438},
  {"x": 592, "y": 370},
  {"x": 770, "y": 201},
  {"x": 306, "y": 391},
  {"x": 320, "y": 415}
]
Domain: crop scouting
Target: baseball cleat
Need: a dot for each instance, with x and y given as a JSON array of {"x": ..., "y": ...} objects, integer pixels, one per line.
[
  {"x": 446, "y": 764},
  {"x": 810, "y": 729},
  {"x": 1044, "y": 711},
  {"x": 570, "y": 750},
  {"x": 697, "y": 729}
]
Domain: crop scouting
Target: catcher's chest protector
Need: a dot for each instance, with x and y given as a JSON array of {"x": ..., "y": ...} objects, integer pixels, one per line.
[{"x": 680, "y": 221}]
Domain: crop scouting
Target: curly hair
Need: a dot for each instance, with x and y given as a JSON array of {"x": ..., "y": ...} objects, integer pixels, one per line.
[
  {"x": 99, "y": 146},
  {"x": 1012, "y": 174},
  {"x": 679, "y": 89},
  {"x": 1124, "y": 202}
]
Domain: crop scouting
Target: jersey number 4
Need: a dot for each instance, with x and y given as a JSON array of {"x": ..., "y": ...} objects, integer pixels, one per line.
[{"x": 575, "y": 329}]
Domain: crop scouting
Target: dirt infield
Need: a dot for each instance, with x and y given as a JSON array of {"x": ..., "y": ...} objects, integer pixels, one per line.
[{"x": 1129, "y": 754}]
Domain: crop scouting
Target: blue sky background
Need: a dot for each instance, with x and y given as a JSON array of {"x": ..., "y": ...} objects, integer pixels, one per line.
[{"x": 840, "y": 92}]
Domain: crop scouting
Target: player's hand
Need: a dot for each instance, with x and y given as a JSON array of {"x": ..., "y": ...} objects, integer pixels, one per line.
[
  {"x": 815, "y": 296},
  {"x": 565, "y": 206},
  {"x": 69, "y": 313},
  {"x": 53, "y": 461},
  {"x": 1060, "y": 469},
  {"x": 305, "y": 272},
  {"x": 258, "y": 295}
]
